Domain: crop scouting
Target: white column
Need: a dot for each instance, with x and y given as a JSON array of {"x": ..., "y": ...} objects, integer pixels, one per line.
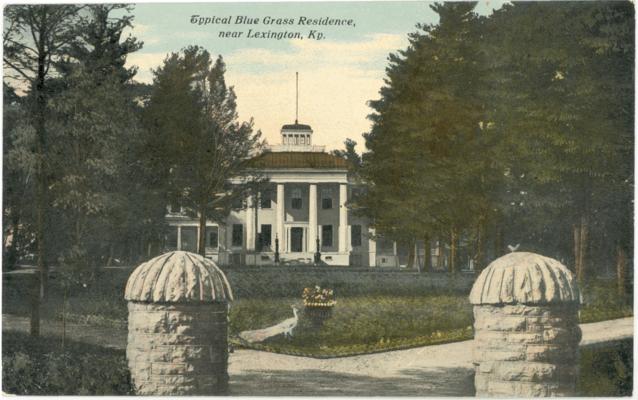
[
  {"x": 250, "y": 223},
  {"x": 343, "y": 218},
  {"x": 394, "y": 251},
  {"x": 279, "y": 218},
  {"x": 372, "y": 248},
  {"x": 179, "y": 237},
  {"x": 312, "y": 218}
]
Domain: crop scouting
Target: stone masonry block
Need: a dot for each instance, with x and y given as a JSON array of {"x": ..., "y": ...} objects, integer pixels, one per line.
[
  {"x": 524, "y": 338},
  {"x": 525, "y": 371},
  {"x": 150, "y": 322},
  {"x": 504, "y": 355},
  {"x": 167, "y": 368},
  {"x": 481, "y": 381},
  {"x": 502, "y": 323},
  {"x": 546, "y": 353}
]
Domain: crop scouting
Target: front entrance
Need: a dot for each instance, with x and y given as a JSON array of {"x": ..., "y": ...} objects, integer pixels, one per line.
[{"x": 296, "y": 240}]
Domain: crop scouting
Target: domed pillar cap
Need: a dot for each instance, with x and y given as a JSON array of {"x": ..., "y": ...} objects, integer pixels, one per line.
[
  {"x": 178, "y": 277},
  {"x": 525, "y": 278}
]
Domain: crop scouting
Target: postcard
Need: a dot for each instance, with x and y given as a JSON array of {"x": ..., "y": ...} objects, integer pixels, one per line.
[{"x": 348, "y": 198}]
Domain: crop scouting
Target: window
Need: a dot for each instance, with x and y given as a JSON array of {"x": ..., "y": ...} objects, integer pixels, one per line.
[
  {"x": 189, "y": 238},
  {"x": 355, "y": 235},
  {"x": 171, "y": 238},
  {"x": 238, "y": 235},
  {"x": 174, "y": 207},
  {"x": 296, "y": 199},
  {"x": 326, "y": 236},
  {"x": 238, "y": 203},
  {"x": 265, "y": 199},
  {"x": 212, "y": 237},
  {"x": 326, "y": 199},
  {"x": 265, "y": 237}
]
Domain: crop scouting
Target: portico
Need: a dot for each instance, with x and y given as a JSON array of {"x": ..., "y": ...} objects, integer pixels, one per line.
[
  {"x": 304, "y": 205},
  {"x": 310, "y": 206}
]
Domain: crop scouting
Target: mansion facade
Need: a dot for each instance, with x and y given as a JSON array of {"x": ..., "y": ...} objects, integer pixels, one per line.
[{"x": 303, "y": 210}]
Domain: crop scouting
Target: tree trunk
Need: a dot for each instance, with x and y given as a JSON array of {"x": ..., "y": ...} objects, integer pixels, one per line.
[
  {"x": 498, "y": 243},
  {"x": 439, "y": 257},
  {"x": 64, "y": 316},
  {"x": 41, "y": 186},
  {"x": 201, "y": 245},
  {"x": 621, "y": 270},
  {"x": 427, "y": 253},
  {"x": 109, "y": 260},
  {"x": 34, "y": 295},
  {"x": 411, "y": 255},
  {"x": 576, "y": 230},
  {"x": 581, "y": 241},
  {"x": 584, "y": 242},
  {"x": 480, "y": 247},
  {"x": 453, "y": 256}
]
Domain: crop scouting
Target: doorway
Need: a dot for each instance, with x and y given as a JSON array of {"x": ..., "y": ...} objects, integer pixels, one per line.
[{"x": 296, "y": 240}]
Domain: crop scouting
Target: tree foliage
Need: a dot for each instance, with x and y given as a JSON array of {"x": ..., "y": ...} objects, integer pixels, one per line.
[
  {"x": 199, "y": 148},
  {"x": 519, "y": 124}
]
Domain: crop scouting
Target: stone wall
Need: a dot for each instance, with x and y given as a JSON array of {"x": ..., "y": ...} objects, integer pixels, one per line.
[
  {"x": 526, "y": 351},
  {"x": 178, "y": 349}
]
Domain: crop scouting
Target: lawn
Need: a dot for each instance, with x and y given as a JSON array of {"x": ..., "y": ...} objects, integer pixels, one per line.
[
  {"x": 378, "y": 312},
  {"x": 359, "y": 324},
  {"x": 383, "y": 314},
  {"x": 42, "y": 367}
]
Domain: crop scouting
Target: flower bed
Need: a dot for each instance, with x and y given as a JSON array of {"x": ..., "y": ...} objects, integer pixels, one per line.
[{"x": 318, "y": 297}]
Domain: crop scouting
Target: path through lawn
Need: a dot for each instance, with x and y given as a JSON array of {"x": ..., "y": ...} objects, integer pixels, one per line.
[{"x": 443, "y": 370}]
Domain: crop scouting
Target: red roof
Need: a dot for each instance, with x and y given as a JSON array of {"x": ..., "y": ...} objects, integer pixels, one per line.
[{"x": 298, "y": 160}]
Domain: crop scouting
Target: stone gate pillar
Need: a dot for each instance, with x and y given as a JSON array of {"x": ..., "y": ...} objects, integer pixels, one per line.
[
  {"x": 177, "y": 326},
  {"x": 526, "y": 331}
]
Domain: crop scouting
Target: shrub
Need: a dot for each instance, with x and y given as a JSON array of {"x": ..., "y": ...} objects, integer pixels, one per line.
[{"x": 39, "y": 366}]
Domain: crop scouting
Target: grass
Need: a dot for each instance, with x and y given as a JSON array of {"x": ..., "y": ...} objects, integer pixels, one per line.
[
  {"x": 42, "y": 367},
  {"x": 381, "y": 312},
  {"x": 360, "y": 324},
  {"x": 607, "y": 371},
  {"x": 602, "y": 302}
]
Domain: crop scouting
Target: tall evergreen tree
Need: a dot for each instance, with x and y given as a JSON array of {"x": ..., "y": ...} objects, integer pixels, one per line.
[
  {"x": 203, "y": 148},
  {"x": 88, "y": 155},
  {"x": 424, "y": 165},
  {"x": 566, "y": 107},
  {"x": 35, "y": 38}
]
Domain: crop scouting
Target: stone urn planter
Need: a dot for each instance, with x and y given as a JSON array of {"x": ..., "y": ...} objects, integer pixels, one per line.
[
  {"x": 319, "y": 313},
  {"x": 318, "y": 304}
]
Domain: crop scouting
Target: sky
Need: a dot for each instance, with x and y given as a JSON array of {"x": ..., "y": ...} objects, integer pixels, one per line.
[{"x": 338, "y": 74}]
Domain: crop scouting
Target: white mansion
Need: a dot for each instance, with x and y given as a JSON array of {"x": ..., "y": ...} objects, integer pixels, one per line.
[{"x": 305, "y": 206}]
